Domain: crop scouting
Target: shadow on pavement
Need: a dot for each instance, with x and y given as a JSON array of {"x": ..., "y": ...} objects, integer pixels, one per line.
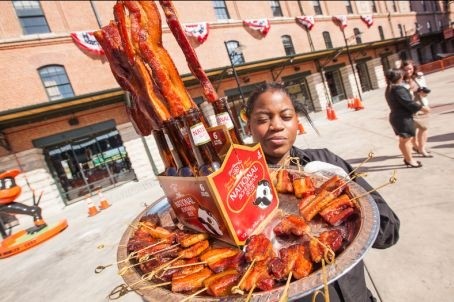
[
  {"x": 441, "y": 137},
  {"x": 373, "y": 159}
]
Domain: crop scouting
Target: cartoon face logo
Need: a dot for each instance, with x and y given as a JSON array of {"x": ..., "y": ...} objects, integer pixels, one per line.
[
  {"x": 263, "y": 196},
  {"x": 209, "y": 222}
]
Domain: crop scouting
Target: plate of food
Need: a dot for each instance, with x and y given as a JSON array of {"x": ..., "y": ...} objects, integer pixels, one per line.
[{"x": 323, "y": 227}]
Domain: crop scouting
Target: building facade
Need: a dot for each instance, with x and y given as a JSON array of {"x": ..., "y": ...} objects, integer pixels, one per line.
[{"x": 63, "y": 118}]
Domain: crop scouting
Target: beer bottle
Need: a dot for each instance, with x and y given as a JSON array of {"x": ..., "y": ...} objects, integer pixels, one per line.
[
  {"x": 166, "y": 155},
  {"x": 224, "y": 117},
  {"x": 188, "y": 166},
  {"x": 207, "y": 158}
]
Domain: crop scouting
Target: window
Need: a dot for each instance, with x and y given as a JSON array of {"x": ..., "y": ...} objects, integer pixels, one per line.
[
  {"x": 401, "y": 31},
  {"x": 327, "y": 39},
  {"x": 288, "y": 45},
  {"x": 317, "y": 7},
  {"x": 373, "y": 6},
  {"x": 424, "y": 7},
  {"x": 56, "y": 82},
  {"x": 235, "y": 53},
  {"x": 380, "y": 31},
  {"x": 394, "y": 6},
  {"x": 348, "y": 6},
  {"x": 276, "y": 8},
  {"x": 31, "y": 17},
  {"x": 221, "y": 10},
  {"x": 357, "y": 35},
  {"x": 429, "y": 26}
]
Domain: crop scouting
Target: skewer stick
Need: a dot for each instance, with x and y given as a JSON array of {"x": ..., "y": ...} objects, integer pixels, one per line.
[
  {"x": 284, "y": 297},
  {"x": 184, "y": 265},
  {"x": 392, "y": 180},
  {"x": 249, "y": 295},
  {"x": 194, "y": 294},
  {"x": 236, "y": 289},
  {"x": 100, "y": 268},
  {"x": 123, "y": 289},
  {"x": 369, "y": 156}
]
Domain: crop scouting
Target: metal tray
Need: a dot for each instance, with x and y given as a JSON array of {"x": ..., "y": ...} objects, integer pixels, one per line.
[{"x": 367, "y": 226}]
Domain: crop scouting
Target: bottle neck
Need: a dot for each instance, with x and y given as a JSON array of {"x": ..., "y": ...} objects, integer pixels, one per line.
[
  {"x": 224, "y": 117},
  {"x": 207, "y": 158},
  {"x": 188, "y": 161},
  {"x": 165, "y": 152}
]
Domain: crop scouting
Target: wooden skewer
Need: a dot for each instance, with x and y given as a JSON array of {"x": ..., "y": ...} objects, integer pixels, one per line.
[
  {"x": 184, "y": 265},
  {"x": 392, "y": 180},
  {"x": 249, "y": 295},
  {"x": 194, "y": 294},
  {"x": 369, "y": 156},
  {"x": 284, "y": 297},
  {"x": 236, "y": 289}
]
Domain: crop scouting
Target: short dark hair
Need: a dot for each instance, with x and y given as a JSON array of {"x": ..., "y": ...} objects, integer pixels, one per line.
[
  {"x": 393, "y": 75},
  {"x": 274, "y": 86}
]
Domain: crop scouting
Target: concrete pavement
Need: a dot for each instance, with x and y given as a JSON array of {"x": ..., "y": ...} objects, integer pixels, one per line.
[{"x": 418, "y": 268}]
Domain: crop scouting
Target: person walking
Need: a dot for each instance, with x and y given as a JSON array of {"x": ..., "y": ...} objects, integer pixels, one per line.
[
  {"x": 402, "y": 109},
  {"x": 416, "y": 84}
]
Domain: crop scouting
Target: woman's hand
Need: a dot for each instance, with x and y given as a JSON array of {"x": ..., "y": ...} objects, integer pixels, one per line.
[{"x": 425, "y": 109}]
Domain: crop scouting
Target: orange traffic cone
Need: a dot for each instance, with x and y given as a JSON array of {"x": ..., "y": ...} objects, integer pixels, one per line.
[
  {"x": 103, "y": 203},
  {"x": 300, "y": 128},
  {"x": 92, "y": 210},
  {"x": 333, "y": 114},
  {"x": 328, "y": 112},
  {"x": 350, "y": 103},
  {"x": 358, "y": 105}
]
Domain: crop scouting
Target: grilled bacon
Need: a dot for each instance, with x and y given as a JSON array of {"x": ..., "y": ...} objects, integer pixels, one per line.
[
  {"x": 292, "y": 225},
  {"x": 338, "y": 210},
  {"x": 332, "y": 239}
]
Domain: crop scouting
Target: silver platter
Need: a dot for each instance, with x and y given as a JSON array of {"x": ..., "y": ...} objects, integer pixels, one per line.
[{"x": 366, "y": 226}]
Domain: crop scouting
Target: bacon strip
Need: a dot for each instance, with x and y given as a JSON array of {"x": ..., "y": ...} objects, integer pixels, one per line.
[{"x": 188, "y": 50}]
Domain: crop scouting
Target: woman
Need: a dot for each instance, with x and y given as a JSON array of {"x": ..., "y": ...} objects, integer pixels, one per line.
[
  {"x": 401, "y": 116},
  {"x": 273, "y": 122},
  {"x": 415, "y": 82}
]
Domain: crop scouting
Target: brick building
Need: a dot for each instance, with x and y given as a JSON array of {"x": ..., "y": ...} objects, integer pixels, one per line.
[{"x": 63, "y": 118}]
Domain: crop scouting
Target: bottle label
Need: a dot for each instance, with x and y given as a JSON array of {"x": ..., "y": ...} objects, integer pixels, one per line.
[
  {"x": 199, "y": 134},
  {"x": 224, "y": 119}
]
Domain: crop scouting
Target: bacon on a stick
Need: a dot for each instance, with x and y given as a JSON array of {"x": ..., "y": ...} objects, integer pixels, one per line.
[
  {"x": 188, "y": 50},
  {"x": 146, "y": 35},
  {"x": 191, "y": 282},
  {"x": 338, "y": 210},
  {"x": 328, "y": 240},
  {"x": 292, "y": 225}
]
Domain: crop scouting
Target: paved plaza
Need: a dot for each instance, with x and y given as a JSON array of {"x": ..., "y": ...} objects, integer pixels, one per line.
[{"x": 418, "y": 268}]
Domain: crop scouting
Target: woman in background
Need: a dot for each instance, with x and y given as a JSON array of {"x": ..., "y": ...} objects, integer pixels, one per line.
[
  {"x": 401, "y": 116},
  {"x": 416, "y": 84}
]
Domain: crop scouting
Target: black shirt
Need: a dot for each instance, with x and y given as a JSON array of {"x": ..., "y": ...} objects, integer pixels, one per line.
[{"x": 352, "y": 286}]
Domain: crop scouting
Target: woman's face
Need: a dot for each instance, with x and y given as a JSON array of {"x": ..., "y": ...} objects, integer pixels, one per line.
[
  {"x": 274, "y": 124},
  {"x": 408, "y": 70}
]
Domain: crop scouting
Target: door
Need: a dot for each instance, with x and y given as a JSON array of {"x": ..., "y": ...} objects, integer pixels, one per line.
[
  {"x": 86, "y": 165},
  {"x": 335, "y": 86},
  {"x": 363, "y": 75},
  {"x": 298, "y": 90}
]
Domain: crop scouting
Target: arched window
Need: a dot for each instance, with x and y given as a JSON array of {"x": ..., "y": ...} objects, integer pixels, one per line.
[
  {"x": 288, "y": 45},
  {"x": 56, "y": 82},
  {"x": 235, "y": 52},
  {"x": 380, "y": 31},
  {"x": 220, "y": 9},
  {"x": 357, "y": 35},
  {"x": 276, "y": 8},
  {"x": 401, "y": 30},
  {"x": 327, "y": 39}
]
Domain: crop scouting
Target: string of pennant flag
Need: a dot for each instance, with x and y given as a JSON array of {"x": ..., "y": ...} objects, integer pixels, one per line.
[{"x": 199, "y": 31}]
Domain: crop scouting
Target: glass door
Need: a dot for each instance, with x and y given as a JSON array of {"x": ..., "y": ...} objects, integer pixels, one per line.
[
  {"x": 86, "y": 165},
  {"x": 336, "y": 89},
  {"x": 299, "y": 91},
  {"x": 364, "y": 78}
]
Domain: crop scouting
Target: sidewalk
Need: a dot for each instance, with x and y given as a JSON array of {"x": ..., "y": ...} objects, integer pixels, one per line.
[{"x": 418, "y": 268}]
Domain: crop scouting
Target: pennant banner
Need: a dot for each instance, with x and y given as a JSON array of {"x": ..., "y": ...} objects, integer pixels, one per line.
[
  {"x": 197, "y": 30},
  {"x": 340, "y": 21},
  {"x": 306, "y": 21},
  {"x": 261, "y": 25},
  {"x": 368, "y": 19},
  {"x": 87, "y": 41}
]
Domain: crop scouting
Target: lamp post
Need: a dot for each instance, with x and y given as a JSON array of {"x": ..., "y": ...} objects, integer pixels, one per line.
[
  {"x": 233, "y": 68},
  {"x": 351, "y": 64}
]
